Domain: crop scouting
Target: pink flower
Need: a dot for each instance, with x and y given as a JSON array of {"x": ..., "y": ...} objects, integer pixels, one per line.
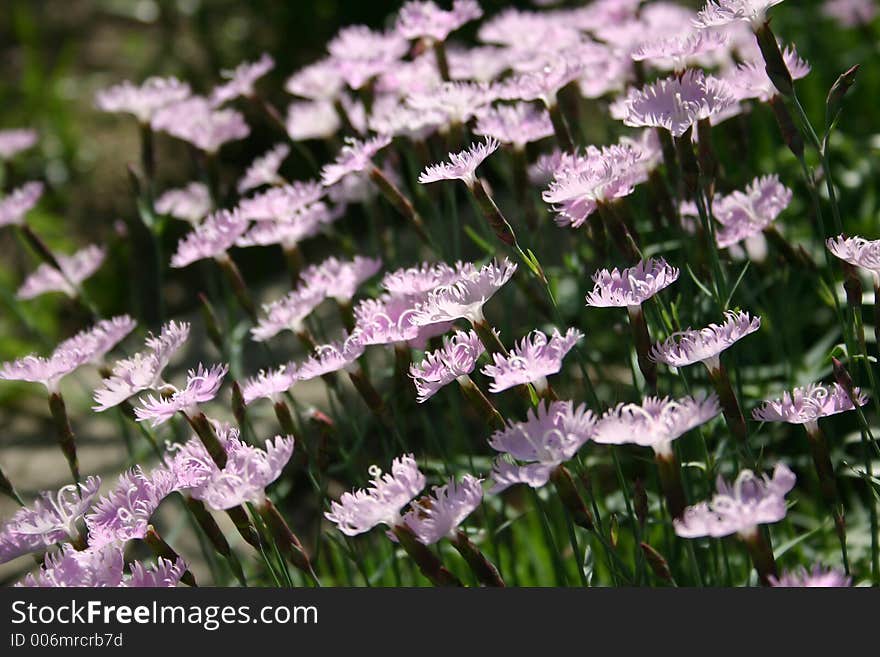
[
  {"x": 677, "y": 103},
  {"x": 361, "y": 54},
  {"x": 455, "y": 102},
  {"x": 456, "y": 358},
  {"x": 532, "y": 360},
  {"x": 124, "y": 514},
  {"x": 284, "y": 203},
  {"x": 100, "y": 338},
  {"x": 191, "y": 203},
  {"x": 439, "y": 515},
  {"x": 676, "y": 51},
  {"x": 332, "y": 357},
  {"x": 718, "y": 13},
  {"x": 632, "y": 286},
  {"x": 195, "y": 120},
  {"x": 656, "y": 422},
  {"x": 287, "y": 313},
  {"x": 202, "y": 386},
  {"x": 418, "y": 75},
  {"x": 15, "y": 205},
  {"x": 143, "y": 371},
  {"x": 750, "y": 80},
  {"x": 48, "y": 371},
  {"x": 806, "y": 405},
  {"x": 380, "y": 504},
  {"x": 311, "y": 120},
  {"x": 390, "y": 117},
  {"x": 857, "y": 251},
  {"x": 165, "y": 574},
  {"x": 389, "y": 320},
  {"x": 464, "y": 298},
  {"x": 51, "y": 518},
  {"x": 545, "y": 82},
  {"x": 340, "y": 279},
  {"x": 817, "y": 577},
  {"x": 77, "y": 268},
  {"x": 418, "y": 280},
  {"x": 705, "y": 345},
  {"x": 264, "y": 170},
  {"x": 320, "y": 80},
  {"x": 210, "y": 239},
  {"x": 518, "y": 124},
  {"x": 142, "y": 101},
  {"x": 745, "y": 214},
  {"x": 740, "y": 508},
  {"x": 355, "y": 157},
  {"x": 244, "y": 478},
  {"x": 271, "y": 384},
  {"x": 481, "y": 64},
  {"x": 461, "y": 166},
  {"x": 425, "y": 20},
  {"x": 850, "y": 13},
  {"x": 13, "y": 142},
  {"x": 581, "y": 182},
  {"x": 547, "y": 438},
  {"x": 241, "y": 80},
  {"x": 289, "y": 233},
  {"x": 528, "y": 31}
]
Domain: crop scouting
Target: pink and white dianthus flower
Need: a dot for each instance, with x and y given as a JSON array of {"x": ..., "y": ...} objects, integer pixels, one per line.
[
  {"x": 420, "y": 19},
  {"x": 631, "y": 286},
  {"x": 457, "y": 102},
  {"x": 15, "y": 205},
  {"x": 465, "y": 297},
  {"x": 549, "y": 437},
  {"x": 718, "y": 13},
  {"x": 99, "y": 339},
  {"x": 240, "y": 81},
  {"x": 677, "y": 103},
  {"x": 381, "y": 503},
  {"x": 16, "y": 140},
  {"x": 532, "y": 360},
  {"x": 356, "y": 156},
  {"x": 244, "y": 478},
  {"x": 750, "y": 80},
  {"x": 543, "y": 82},
  {"x": 739, "y": 508},
  {"x": 289, "y": 233},
  {"x": 851, "y": 13},
  {"x": 461, "y": 166},
  {"x": 269, "y": 384},
  {"x": 656, "y": 422},
  {"x": 191, "y": 203},
  {"x": 283, "y": 203},
  {"x": 518, "y": 124},
  {"x": 50, "y": 519},
  {"x": 582, "y": 182},
  {"x": 456, "y": 359},
  {"x": 438, "y": 515},
  {"x": 418, "y": 280},
  {"x": 320, "y": 80},
  {"x": 808, "y": 404},
  {"x": 143, "y": 371},
  {"x": 361, "y": 53},
  {"x": 287, "y": 313},
  {"x": 196, "y": 121},
  {"x": 210, "y": 239},
  {"x": 857, "y": 251},
  {"x": 76, "y": 268},
  {"x": 340, "y": 279},
  {"x": 144, "y": 100},
  {"x": 332, "y": 357},
  {"x": 264, "y": 169},
  {"x": 480, "y": 64},
  {"x": 746, "y": 214},
  {"x": 705, "y": 345},
  {"x": 124, "y": 513},
  {"x": 49, "y": 371},
  {"x": 389, "y": 320},
  {"x": 202, "y": 385},
  {"x": 816, "y": 577},
  {"x": 676, "y": 52},
  {"x": 311, "y": 119}
]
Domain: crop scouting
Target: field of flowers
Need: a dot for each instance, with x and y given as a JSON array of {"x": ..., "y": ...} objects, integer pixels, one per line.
[{"x": 567, "y": 294}]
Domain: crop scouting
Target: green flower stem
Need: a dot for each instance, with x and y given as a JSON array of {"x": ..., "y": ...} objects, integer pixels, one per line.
[
  {"x": 828, "y": 484},
  {"x": 480, "y": 402},
  {"x": 66, "y": 438},
  {"x": 161, "y": 549},
  {"x": 669, "y": 470},
  {"x": 8, "y": 489},
  {"x": 484, "y": 570},
  {"x": 429, "y": 564},
  {"x": 402, "y": 204}
]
